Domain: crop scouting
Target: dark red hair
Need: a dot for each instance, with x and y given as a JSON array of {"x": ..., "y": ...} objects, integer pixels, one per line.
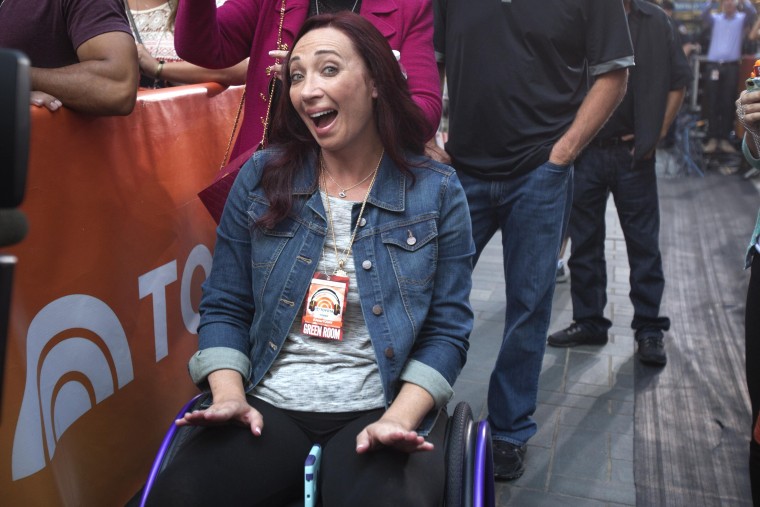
[{"x": 400, "y": 122}]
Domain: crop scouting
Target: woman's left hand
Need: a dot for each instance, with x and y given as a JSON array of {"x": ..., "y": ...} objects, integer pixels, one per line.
[
  {"x": 276, "y": 69},
  {"x": 148, "y": 64},
  {"x": 385, "y": 433}
]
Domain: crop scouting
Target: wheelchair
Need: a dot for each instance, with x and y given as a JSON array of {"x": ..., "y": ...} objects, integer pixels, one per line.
[{"x": 468, "y": 454}]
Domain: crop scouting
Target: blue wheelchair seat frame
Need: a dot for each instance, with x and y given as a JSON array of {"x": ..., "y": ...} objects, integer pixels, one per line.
[{"x": 468, "y": 452}]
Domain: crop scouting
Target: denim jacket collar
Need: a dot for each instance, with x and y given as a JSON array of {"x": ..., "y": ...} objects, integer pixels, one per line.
[{"x": 388, "y": 192}]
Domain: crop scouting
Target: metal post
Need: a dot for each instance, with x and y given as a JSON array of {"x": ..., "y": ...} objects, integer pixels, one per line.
[{"x": 7, "y": 265}]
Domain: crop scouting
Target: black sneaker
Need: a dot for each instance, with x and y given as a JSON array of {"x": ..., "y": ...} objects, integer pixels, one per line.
[
  {"x": 574, "y": 335},
  {"x": 652, "y": 350},
  {"x": 508, "y": 460}
]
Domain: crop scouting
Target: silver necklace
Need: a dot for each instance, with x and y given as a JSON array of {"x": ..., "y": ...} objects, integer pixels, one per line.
[
  {"x": 342, "y": 193},
  {"x": 352, "y": 10}
]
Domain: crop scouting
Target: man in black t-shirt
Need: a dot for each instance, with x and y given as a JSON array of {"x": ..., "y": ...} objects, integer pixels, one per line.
[
  {"x": 621, "y": 161},
  {"x": 520, "y": 112},
  {"x": 82, "y": 53}
]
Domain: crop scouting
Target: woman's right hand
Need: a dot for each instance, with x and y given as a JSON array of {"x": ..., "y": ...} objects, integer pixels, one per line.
[
  {"x": 229, "y": 406},
  {"x": 224, "y": 412}
]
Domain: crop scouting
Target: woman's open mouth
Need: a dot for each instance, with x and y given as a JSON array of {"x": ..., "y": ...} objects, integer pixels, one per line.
[{"x": 324, "y": 118}]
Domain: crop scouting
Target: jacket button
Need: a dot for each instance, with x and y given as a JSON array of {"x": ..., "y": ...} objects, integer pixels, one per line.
[
  {"x": 367, "y": 264},
  {"x": 377, "y": 310},
  {"x": 362, "y": 222},
  {"x": 389, "y": 352}
]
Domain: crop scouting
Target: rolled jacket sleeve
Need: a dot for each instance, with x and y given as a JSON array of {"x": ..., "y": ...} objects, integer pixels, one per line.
[
  {"x": 430, "y": 380},
  {"x": 206, "y": 361}
]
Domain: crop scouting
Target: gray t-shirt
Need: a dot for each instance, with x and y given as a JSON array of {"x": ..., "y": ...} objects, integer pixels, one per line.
[{"x": 318, "y": 375}]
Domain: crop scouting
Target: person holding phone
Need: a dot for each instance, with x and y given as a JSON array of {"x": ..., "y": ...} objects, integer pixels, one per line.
[{"x": 748, "y": 113}]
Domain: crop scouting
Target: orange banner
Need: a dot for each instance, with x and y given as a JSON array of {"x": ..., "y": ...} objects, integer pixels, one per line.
[{"x": 106, "y": 291}]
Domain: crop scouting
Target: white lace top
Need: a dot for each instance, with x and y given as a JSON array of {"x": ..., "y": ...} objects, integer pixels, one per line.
[{"x": 157, "y": 37}]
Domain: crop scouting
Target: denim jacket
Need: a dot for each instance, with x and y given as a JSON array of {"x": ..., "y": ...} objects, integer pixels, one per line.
[{"x": 413, "y": 254}]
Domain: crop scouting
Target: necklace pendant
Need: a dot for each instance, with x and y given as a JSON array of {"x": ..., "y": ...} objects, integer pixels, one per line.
[
  {"x": 342, "y": 194},
  {"x": 340, "y": 272}
]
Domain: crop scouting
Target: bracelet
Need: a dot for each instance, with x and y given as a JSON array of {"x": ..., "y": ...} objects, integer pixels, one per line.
[{"x": 159, "y": 69}]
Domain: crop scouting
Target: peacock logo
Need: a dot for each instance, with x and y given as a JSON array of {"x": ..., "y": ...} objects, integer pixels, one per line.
[{"x": 64, "y": 375}]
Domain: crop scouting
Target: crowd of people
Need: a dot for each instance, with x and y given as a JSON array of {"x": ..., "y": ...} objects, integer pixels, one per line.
[{"x": 337, "y": 309}]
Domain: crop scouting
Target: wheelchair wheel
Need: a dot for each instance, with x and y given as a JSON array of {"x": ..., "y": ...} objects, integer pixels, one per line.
[
  {"x": 172, "y": 442},
  {"x": 460, "y": 449}
]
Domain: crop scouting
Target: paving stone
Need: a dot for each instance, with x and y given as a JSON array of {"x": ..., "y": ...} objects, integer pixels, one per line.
[
  {"x": 621, "y": 446},
  {"x": 564, "y": 400},
  {"x": 581, "y": 453},
  {"x": 588, "y": 368},
  {"x": 547, "y": 428},
  {"x": 552, "y": 378},
  {"x": 529, "y": 498},
  {"x": 622, "y": 407},
  {"x": 621, "y": 471},
  {"x": 477, "y": 295},
  {"x": 618, "y": 492},
  {"x": 622, "y": 365},
  {"x": 597, "y": 418}
]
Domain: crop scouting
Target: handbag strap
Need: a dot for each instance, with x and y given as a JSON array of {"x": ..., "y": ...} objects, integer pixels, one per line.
[
  {"x": 234, "y": 130},
  {"x": 267, "y": 117},
  {"x": 281, "y": 47},
  {"x": 132, "y": 22}
]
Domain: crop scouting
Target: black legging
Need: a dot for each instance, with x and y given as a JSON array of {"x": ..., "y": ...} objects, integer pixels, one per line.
[
  {"x": 752, "y": 352},
  {"x": 720, "y": 95},
  {"x": 227, "y": 465}
]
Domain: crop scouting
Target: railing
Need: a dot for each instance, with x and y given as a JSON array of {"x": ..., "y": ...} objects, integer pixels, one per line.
[{"x": 104, "y": 304}]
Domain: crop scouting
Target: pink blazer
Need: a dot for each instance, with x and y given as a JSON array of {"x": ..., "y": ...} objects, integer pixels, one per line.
[{"x": 218, "y": 38}]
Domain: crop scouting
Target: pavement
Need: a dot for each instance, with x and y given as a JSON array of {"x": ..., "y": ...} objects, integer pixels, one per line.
[{"x": 582, "y": 454}]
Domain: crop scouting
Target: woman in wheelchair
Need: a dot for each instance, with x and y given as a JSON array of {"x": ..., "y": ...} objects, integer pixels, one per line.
[{"x": 343, "y": 199}]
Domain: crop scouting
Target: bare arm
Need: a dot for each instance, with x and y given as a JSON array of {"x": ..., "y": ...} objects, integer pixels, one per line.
[
  {"x": 602, "y": 99},
  {"x": 753, "y": 32},
  {"x": 187, "y": 73},
  {"x": 675, "y": 99},
  {"x": 104, "y": 82}
]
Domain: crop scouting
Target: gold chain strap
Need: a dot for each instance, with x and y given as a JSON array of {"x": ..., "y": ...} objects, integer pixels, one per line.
[
  {"x": 281, "y": 47},
  {"x": 234, "y": 129}
]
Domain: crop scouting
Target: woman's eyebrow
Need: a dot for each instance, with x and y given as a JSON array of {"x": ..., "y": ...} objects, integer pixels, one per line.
[{"x": 319, "y": 52}]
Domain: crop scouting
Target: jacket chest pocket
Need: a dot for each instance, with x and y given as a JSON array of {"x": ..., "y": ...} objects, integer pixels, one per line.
[
  {"x": 413, "y": 249},
  {"x": 267, "y": 245}
]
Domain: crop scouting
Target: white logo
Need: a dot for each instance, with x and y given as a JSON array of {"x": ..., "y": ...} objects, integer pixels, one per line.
[{"x": 42, "y": 419}]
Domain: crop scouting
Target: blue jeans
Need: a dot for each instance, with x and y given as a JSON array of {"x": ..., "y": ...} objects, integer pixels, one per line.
[
  {"x": 599, "y": 172},
  {"x": 531, "y": 210}
]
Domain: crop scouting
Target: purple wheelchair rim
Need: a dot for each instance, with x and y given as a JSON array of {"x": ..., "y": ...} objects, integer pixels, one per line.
[
  {"x": 483, "y": 491},
  {"x": 162, "y": 450}
]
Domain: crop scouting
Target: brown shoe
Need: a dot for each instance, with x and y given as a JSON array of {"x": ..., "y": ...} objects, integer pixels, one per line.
[
  {"x": 726, "y": 147},
  {"x": 710, "y": 146}
]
